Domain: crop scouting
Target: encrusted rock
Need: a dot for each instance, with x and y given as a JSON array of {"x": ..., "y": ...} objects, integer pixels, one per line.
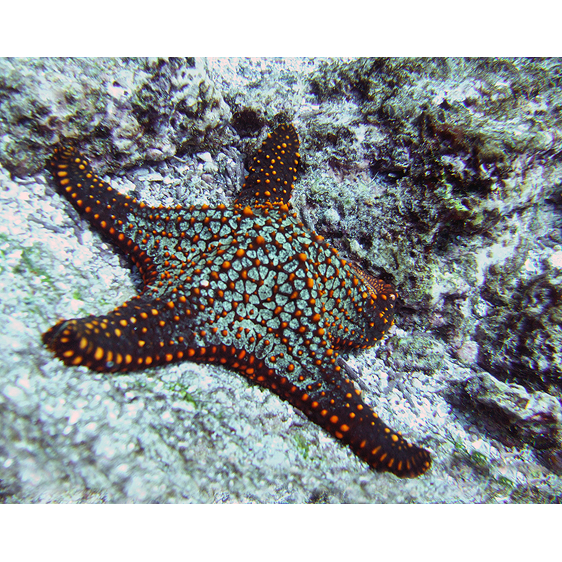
[
  {"x": 125, "y": 110},
  {"x": 534, "y": 417},
  {"x": 521, "y": 337}
]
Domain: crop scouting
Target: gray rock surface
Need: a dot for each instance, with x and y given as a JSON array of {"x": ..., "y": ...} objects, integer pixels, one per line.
[
  {"x": 433, "y": 174},
  {"x": 535, "y": 417}
]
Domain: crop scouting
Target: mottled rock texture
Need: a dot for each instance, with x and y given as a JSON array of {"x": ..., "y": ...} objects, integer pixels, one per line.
[
  {"x": 134, "y": 110},
  {"x": 441, "y": 176}
]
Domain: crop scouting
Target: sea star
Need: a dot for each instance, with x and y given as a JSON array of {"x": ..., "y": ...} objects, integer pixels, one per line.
[{"x": 246, "y": 286}]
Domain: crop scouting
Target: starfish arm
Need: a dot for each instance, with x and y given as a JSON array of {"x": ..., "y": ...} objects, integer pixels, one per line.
[
  {"x": 108, "y": 211},
  {"x": 340, "y": 410},
  {"x": 329, "y": 399},
  {"x": 273, "y": 169},
  {"x": 357, "y": 309},
  {"x": 361, "y": 308},
  {"x": 138, "y": 334}
]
